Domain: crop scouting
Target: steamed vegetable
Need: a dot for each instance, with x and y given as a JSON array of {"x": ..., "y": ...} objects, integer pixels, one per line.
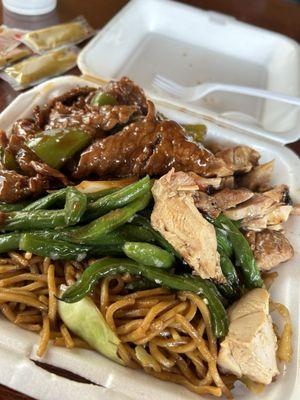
[
  {"x": 231, "y": 287},
  {"x": 9, "y": 242},
  {"x": 55, "y": 249},
  {"x": 55, "y": 147},
  {"x": 103, "y": 99},
  {"x": 118, "y": 199},
  {"x": 86, "y": 321},
  {"x": 75, "y": 206},
  {"x": 92, "y": 232},
  {"x": 148, "y": 254},
  {"x": 197, "y": 131},
  {"x": 112, "y": 266},
  {"x": 244, "y": 257}
]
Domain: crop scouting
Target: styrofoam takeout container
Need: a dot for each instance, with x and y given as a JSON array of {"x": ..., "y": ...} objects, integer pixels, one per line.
[
  {"x": 18, "y": 347},
  {"x": 192, "y": 46}
]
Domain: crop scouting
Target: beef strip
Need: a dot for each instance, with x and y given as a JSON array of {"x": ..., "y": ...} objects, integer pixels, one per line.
[
  {"x": 149, "y": 147},
  {"x": 94, "y": 120},
  {"x": 15, "y": 187},
  {"x": 127, "y": 92}
]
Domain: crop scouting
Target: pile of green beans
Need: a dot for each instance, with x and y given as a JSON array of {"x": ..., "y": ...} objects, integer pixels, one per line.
[
  {"x": 235, "y": 250},
  {"x": 69, "y": 225},
  {"x": 113, "y": 266}
]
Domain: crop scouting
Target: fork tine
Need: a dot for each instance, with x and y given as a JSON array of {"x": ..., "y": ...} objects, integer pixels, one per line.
[
  {"x": 167, "y": 85},
  {"x": 170, "y": 82}
]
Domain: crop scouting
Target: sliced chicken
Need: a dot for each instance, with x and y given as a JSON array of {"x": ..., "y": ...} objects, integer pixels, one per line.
[
  {"x": 259, "y": 178},
  {"x": 256, "y": 207},
  {"x": 279, "y": 215},
  {"x": 206, "y": 184},
  {"x": 206, "y": 204},
  {"x": 250, "y": 347},
  {"x": 280, "y": 194},
  {"x": 176, "y": 217},
  {"x": 228, "y": 198},
  {"x": 270, "y": 248},
  {"x": 239, "y": 158}
]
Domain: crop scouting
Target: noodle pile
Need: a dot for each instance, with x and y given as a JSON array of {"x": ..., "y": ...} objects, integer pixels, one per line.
[{"x": 168, "y": 334}]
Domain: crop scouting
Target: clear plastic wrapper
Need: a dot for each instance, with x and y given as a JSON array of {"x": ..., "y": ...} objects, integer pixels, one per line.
[
  {"x": 38, "y": 68},
  {"x": 9, "y": 39},
  {"x": 55, "y": 36},
  {"x": 14, "y": 55}
]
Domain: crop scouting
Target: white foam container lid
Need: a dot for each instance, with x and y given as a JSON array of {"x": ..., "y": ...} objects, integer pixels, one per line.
[
  {"x": 18, "y": 347},
  {"x": 191, "y": 46}
]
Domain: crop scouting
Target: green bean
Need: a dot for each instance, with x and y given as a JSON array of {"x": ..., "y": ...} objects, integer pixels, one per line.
[
  {"x": 230, "y": 289},
  {"x": 75, "y": 206},
  {"x": 149, "y": 254},
  {"x": 142, "y": 221},
  {"x": 92, "y": 232},
  {"x": 9, "y": 207},
  {"x": 135, "y": 233},
  {"x": 100, "y": 193},
  {"x": 113, "y": 266},
  {"x": 243, "y": 254},
  {"x": 54, "y": 198},
  {"x": 118, "y": 199},
  {"x": 224, "y": 244},
  {"x": 39, "y": 219},
  {"x": 9, "y": 242},
  {"x": 140, "y": 284},
  {"x": 55, "y": 249}
]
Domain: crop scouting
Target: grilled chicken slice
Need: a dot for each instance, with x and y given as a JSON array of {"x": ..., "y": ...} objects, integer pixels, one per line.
[
  {"x": 280, "y": 194},
  {"x": 176, "y": 217},
  {"x": 270, "y": 248},
  {"x": 239, "y": 159},
  {"x": 250, "y": 347},
  {"x": 259, "y": 178},
  {"x": 228, "y": 198},
  {"x": 256, "y": 207}
]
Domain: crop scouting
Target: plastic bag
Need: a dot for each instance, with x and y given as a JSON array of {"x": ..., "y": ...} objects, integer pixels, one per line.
[
  {"x": 38, "y": 68},
  {"x": 58, "y": 35}
]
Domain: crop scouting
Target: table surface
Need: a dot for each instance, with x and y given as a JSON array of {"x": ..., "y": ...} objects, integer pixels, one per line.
[{"x": 282, "y": 16}]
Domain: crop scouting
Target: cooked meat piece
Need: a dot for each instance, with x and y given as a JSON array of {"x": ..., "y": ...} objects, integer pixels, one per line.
[
  {"x": 228, "y": 182},
  {"x": 279, "y": 215},
  {"x": 239, "y": 159},
  {"x": 30, "y": 164},
  {"x": 127, "y": 92},
  {"x": 176, "y": 217},
  {"x": 3, "y": 139},
  {"x": 256, "y": 207},
  {"x": 92, "y": 119},
  {"x": 15, "y": 187},
  {"x": 250, "y": 347},
  {"x": 280, "y": 194},
  {"x": 254, "y": 224},
  {"x": 270, "y": 248},
  {"x": 25, "y": 128},
  {"x": 206, "y": 204},
  {"x": 259, "y": 178},
  {"x": 228, "y": 198},
  {"x": 148, "y": 147},
  {"x": 206, "y": 184}
]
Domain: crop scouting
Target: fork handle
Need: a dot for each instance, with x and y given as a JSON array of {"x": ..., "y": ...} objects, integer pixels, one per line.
[{"x": 250, "y": 91}]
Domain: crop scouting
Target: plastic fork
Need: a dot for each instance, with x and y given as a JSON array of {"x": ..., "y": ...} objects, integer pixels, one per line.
[{"x": 193, "y": 93}]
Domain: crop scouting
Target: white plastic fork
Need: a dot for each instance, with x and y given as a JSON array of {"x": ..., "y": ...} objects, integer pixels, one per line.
[{"x": 192, "y": 93}]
